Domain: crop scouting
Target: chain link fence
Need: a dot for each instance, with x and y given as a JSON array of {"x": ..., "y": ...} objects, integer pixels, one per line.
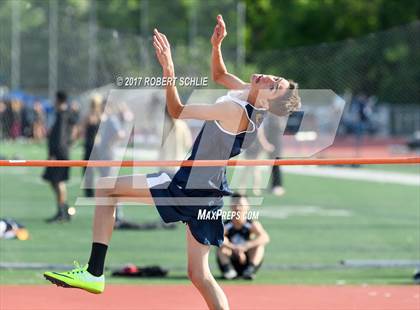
[
  {"x": 50, "y": 45},
  {"x": 71, "y": 52}
]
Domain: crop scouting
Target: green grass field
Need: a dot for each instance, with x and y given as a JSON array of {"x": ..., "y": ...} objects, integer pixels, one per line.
[{"x": 378, "y": 221}]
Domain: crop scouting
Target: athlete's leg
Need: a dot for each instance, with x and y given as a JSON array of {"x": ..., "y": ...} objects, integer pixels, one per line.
[
  {"x": 200, "y": 275},
  {"x": 110, "y": 190}
]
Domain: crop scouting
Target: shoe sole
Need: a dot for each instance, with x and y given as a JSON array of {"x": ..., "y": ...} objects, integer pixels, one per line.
[
  {"x": 58, "y": 282},
  {"x": 65, "y": 285}
]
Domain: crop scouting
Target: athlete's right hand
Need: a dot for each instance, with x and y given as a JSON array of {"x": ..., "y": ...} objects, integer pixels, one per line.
[
  {"x": 219, "y": 32},
  {"x": 163, "y": 50}
]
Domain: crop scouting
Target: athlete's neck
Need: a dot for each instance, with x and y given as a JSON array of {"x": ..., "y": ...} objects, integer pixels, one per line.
[{"x": 252, "y": 99}]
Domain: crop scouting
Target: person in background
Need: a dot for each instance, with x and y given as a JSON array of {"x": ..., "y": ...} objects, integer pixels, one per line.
[
  {"x": 253, "y": 152},
  {"x": 27, "y": 120},
  {"x": 416, "y": 276},
  {"x": 103, "y": 129},
  {"x": 111, "y": 132},
  {"x": 176, "y": 142},
  {"x": 75, "y": 115},
  {"x": 125, "y": 117},
  {"x": 59, "y": 140},
  {"x": 15, "y": 115},
  {"x": 3, "y": 111},
  {"x": 242, "y": 251},
  {"x": 89, "y": 129},
  {"x": 38, "y": 129},
  {"x": 273, "y": 129}
]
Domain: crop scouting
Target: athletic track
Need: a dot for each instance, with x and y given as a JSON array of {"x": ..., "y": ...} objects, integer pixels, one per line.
[{"x": 184, "y": 297}]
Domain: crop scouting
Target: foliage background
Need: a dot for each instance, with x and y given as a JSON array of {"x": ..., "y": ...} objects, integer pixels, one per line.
[{"x": 370, "y": 46}]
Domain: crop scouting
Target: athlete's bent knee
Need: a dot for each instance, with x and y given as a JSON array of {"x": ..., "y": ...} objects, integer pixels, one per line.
[{"x": 198, "y": 277}]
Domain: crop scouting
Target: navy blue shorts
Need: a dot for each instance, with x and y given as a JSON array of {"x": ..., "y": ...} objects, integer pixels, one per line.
[
  {"x": 57, "y": 174},
  {"x": 175, "y": 204}
]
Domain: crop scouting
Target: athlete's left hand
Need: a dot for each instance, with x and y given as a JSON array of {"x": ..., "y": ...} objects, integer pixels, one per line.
[{"x": 163, "y": 50}]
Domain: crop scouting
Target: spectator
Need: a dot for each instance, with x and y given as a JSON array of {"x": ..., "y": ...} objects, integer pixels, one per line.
[
  {"x": 3, "y": 111},
  {"x": 7, "y": 117},
  {"x": 15, "y": 119},
  {"x": 59, "y": 141},
  {"x": 89, "y": 130},
  {"x": 359, "y": 118},
  {"x": 27, "y": 121},
  {"x": 253, "y": 152},
  {"x": 416, "y": 276},
  {"x": 111, "y": 132},
  {"x": 39, "y": 128},
  {"x": 75, "y": 115},
  {"x": 242, "y": 251},
  {"x": 176, "y": 143},
  {"x": 274, "y": 127}
]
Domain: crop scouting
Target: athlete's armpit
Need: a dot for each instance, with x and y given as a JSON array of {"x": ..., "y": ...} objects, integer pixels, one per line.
[{"x": 219, "y": 111}]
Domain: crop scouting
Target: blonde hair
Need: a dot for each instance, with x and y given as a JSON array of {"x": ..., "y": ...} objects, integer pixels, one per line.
[
  {"x": 288, "y": 103},
  {"x": 284, "y": 105},
  {"x": 96, "y": 102}
]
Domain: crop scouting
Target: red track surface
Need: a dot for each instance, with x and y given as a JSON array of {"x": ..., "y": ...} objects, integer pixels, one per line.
[{"x": 184, "y": 297}]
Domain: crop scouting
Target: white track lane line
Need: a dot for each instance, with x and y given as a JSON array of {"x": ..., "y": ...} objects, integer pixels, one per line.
[{"x": 357, "y": 174}]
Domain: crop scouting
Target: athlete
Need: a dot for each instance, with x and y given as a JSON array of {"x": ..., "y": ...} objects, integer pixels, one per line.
[{"x": 230, "y": 126}]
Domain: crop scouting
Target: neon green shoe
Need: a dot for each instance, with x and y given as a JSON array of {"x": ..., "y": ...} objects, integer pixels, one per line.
[{"x": 77, "y": 278}]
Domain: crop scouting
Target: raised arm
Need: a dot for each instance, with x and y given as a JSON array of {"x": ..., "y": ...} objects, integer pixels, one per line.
[
  {"x": 218, "y": 69},
  {"x": 164, "y": 56},
  {"x": 176, "y": 109}
]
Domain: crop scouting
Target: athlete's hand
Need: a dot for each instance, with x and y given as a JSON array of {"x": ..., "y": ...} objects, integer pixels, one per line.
[
  {"x": 219, "y": 32},
  {"x": 163, "y": 50}
]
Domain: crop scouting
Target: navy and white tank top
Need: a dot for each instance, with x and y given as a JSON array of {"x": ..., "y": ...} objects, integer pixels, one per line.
[
  {"x": 238, "y": 235},
  {"x": 215, "y": 143}
]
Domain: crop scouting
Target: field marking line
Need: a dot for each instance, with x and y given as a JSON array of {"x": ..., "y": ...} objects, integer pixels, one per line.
[{"x": 356, "y": 174}]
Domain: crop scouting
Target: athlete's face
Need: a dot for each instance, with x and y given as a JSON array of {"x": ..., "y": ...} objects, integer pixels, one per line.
[{"x": 269, "y": 86}]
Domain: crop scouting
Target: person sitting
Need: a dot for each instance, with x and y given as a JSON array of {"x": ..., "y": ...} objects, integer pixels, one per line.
[{"x": 242, "y": 251}]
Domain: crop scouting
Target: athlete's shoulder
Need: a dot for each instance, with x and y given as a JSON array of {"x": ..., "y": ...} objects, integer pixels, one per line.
[{"x": 229, "y": 106}]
